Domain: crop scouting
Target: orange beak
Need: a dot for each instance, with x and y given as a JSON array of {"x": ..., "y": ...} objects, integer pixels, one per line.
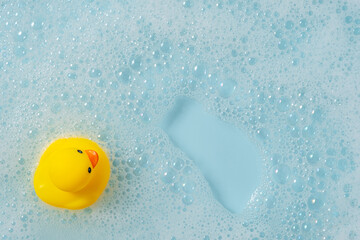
[{"x": 93, "y": 156}]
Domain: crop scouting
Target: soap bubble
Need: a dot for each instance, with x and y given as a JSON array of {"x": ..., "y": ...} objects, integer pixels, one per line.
[
  {"x": 19, "y": 51},
  {"x": 95, "y": 73},
  {"x": 270, "y": 202},
  {"x": 303, "y": 22},
  {"x": 298, "y": 184},
  {"x": 281, "y": 173},
  {"x": 168, "y": 175},
  {"x": 313, "y": 157},
  {"x": 178, "y": 164},
  {"x": 282, "y": 44},
  {"x": 188, "y": 186},
  {"x": 283, "y": 104},
  {"x": 199, "y": 71},
  {"x": 123, "y": 75},
  {"x": 20, "y": 36},
  {"x": 227, "y": 87},
  {"x": 306, "y": 227},
  {"x": 187, "y": 199},
  {"x": 135, "y": 62},
  {"x": 131, "y": 162},
  {"x": 21, "y": 161},
  {"x": 289, "y": 25},
  {"x": 175, "y": 187},
  {"x": 187, "y": 170},
  {"x": 315, "y": 202},
  {"x": 166, "y": 46},
  {"x": 187, "y": 4},
  {"x": 144, "y": 160}
]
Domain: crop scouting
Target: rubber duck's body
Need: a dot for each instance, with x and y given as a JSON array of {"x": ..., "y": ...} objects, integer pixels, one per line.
[{"x": 72, "y": 173}]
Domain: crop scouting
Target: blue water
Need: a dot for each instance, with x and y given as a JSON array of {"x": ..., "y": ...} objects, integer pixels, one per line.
[
  {"x": 227, "y": 158},
  {"x": 264, "y": 146}
]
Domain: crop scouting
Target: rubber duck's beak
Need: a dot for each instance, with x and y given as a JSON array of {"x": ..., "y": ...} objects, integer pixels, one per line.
[{"x": 93, "y": 156}]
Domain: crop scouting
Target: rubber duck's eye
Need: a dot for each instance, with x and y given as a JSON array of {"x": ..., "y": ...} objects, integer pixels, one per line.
[
  {"x": 79, "y": 151},
  {"x": 89, "y": 169}
]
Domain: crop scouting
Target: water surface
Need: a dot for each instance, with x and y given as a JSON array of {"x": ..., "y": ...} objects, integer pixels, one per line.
[{"x": 276, "y": 82}]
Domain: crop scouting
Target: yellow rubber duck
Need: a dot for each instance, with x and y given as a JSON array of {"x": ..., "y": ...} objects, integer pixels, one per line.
[{"x": 72, "y": 173}]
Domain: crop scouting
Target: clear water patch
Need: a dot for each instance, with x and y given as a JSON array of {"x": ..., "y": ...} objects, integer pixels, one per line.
[{"x": 230, "y": 162}]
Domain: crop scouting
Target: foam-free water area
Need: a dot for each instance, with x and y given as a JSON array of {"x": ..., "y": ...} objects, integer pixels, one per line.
[
  {"x": 225, "y": 155},
  {"x": 221, "y": 119}
]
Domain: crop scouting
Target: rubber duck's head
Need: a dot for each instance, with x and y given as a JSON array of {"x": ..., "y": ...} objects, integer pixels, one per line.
[{"x": 71, "y": 169}]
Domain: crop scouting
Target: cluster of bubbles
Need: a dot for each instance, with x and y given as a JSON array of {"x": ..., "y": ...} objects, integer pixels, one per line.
[{"x": 286, "y": 74}]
